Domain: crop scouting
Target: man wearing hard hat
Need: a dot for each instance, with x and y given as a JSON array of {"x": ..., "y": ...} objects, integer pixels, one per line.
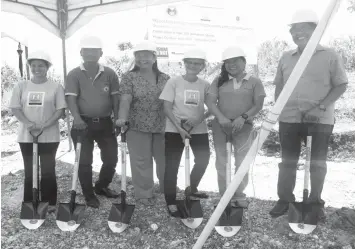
[
  {"x": 92, "y": 95},
  {"x": 309, "y": 110}
]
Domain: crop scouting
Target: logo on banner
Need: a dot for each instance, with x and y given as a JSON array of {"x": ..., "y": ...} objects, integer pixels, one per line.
[
  {"x": 171, "y": 11},
  {"x": 162, "y": 52},
  {"x": 192, "y": 97},
  {"x": 35, "y": 98}
]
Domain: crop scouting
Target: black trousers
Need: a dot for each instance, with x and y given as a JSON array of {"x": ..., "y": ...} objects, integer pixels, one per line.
[
  {"x": 173, "y": 151},
  {"x": 48, "y": 184},
  {"x": 101, "y": 131}
]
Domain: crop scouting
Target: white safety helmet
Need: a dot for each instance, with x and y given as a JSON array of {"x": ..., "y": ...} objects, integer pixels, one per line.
[
  {"x": 232, "y": 52},
  {"x": 304, "y": 15},
  {"x": 90, "y": 42},
  {"x": 39, "y": 55},
  {"x": 145, "y": 46},
  {"x": 195, "y": 53}
]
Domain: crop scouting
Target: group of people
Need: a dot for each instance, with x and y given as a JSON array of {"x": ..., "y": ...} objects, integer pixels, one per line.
[{"x": 155, "y": 106}]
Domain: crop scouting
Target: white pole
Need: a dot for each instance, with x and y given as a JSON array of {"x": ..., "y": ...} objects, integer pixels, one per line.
[{"x": 269, "y": 122}]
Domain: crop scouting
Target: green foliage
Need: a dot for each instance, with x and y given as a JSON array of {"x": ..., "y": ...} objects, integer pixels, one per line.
[
  {"x": 269, "y": 53},
  {"x": 9, "y": 76},
  {"x": 351, "y": 6},
  {"x": 120, "y": 65},
  {"x": 345, "y": 46}
]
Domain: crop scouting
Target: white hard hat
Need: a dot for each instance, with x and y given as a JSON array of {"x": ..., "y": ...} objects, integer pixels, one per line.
[
  {"x": 90, "y": 42},
  {"x": 195, "y": 53},
  {"x": 145, "y": 46},
  {"x": 39, "y": 55},
  {"x": 304, "y": 15},
  {"x": 232, "y": 52}
]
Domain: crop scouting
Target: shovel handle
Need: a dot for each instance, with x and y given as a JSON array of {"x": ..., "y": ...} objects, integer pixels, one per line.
[
  {"x": 307, "y": 167},
  {"x": 76, "y": 164},
  {"x": 35, "y": 160},
  {"x": 123, "y": 133},
  {"x": 187, "y": 153},
  {"x": 229, "y": 163}
]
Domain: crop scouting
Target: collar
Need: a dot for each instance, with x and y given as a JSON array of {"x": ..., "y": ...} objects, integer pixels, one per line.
[
  {"x": 246, "y": 77},
  {"x": 318, "y": 48},
  {"x": 101, "y": 67}
]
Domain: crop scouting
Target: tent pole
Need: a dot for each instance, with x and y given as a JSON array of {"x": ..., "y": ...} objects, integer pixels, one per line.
[
  {"x": 27, "y": 67},
  {"x": 65, "y": 81}
]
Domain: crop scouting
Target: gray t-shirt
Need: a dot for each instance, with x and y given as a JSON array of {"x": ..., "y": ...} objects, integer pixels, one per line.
[
  {"x": 188, "y": 101},
  {"x": 38, "y": 103}
]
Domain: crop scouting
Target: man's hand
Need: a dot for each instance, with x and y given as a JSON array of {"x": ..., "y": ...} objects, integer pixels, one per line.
[
  {"x": 224, "y": 122},
  {"x": 79, "y": 124},
  {"x": 238, "y": 124},
  {"x": 313, "y": 115}
]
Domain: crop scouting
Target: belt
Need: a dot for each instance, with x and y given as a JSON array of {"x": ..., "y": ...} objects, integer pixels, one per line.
[{"x": 95, "y": 120}]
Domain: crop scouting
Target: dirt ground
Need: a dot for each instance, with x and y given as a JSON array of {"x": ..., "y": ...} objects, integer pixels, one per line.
[{"x": 258, "y": 230}]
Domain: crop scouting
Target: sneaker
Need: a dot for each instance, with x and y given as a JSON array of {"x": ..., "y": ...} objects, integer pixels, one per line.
[
  {"x": 279, "y": 209},
  {"x": 242, "y": 203},
  {"x": 109, "y": 193},
  {"x": 92, "y": 202}
]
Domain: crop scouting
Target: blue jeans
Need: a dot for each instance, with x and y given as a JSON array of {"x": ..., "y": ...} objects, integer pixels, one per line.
[{"x": 291, "y": 136}]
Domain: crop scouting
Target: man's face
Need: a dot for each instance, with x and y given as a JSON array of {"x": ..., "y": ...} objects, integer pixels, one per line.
[
  {"x": 301, "y": 33},
  {"x": 91, "y": 54}
]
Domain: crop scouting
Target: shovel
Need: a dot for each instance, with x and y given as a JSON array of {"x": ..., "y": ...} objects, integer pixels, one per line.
[
  {"x": 71, "y": 214},
  {"x": 33, "y": 213},
  {"x": 303, "y": 216},
  {"x": 121, "y": 213},
  {"x": 231, "y": 219},
  {"x": 190, "y": 210}
]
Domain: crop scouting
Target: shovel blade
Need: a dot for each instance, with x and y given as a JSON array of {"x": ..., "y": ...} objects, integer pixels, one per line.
[
  {"x": 120, "y": 216},
  {"x": 303, "y": 218},
  {"x": 230, "y": 221},
  {"x": 32, "y": 216},
  {"x": 68, "y": 220},
  {"x": 190, "y": 212}
]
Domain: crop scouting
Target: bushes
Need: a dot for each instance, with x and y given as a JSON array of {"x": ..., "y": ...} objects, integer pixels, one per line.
[{"x": 346, "y": 48}]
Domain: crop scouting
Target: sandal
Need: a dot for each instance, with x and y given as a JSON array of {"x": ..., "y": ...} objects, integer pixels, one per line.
[
  {"x": 199, "y": 195},
  {"x": 146, "y": 201},
  {"x": 173, "y": 211}
]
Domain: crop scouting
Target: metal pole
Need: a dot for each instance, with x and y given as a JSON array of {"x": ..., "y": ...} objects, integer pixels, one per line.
[
  {"x": 20, "y": 64},
  {"x": 27, "y": 67},
  {"x": 269, "y": 122}
]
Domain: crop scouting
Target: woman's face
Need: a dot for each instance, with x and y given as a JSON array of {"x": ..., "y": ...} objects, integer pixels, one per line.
[
  {"x": 194, "y": 66},
  {"x": 39, "y": 68},
  {"x": 144, "y": 59},
  {"x": 235, "y": 66}
]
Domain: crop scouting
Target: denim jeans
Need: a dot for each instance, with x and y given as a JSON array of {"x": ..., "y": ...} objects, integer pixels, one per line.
[
  {"x": 174, "y": 147},
  {"x": 102, "y": 133},
  {"x": 291, "y": 137},
  {"x": 48, "y": 184}
]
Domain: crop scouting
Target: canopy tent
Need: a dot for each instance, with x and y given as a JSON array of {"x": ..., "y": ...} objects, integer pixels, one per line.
[{"x": 64, "y": 17}]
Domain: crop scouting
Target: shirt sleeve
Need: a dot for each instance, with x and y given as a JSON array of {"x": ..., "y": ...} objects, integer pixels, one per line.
[
  {"x": 60, "y": 98},
  {"x": 337, "y": 71},
  {"x": 258, "y": 90},
  {"x": 279, "y": 77},
  {"x": 168, "y": 92},
  {"x": 114, "y": 83},
  {"x": 15, "y": 100},
  {"x": 126, "y": 86},
  {"x": 213, "y": 88},
  {"x": 72, "y": 85}
]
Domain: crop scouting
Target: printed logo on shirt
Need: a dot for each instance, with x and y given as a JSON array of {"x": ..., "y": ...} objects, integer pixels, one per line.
[
  {"x": 35, "y": 98},
  {"x": 106, "y": 88},
  {"x": 192, "y": 97}
]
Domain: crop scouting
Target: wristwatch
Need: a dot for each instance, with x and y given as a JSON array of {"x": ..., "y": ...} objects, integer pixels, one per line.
[
  {"x": 322, "y": 107},
  {"x": 245, "y": 116}
]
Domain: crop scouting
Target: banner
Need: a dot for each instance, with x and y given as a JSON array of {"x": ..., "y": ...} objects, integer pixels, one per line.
[{"x": 176, "y": 28}]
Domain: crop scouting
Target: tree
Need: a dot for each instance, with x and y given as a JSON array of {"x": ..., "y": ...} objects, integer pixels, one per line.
[
  {"x": 351, "y": 6},
  {"x": 9, "y": 76}
]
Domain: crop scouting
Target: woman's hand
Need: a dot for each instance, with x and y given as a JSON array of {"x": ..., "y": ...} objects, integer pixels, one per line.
[
  {"x": 238, "y": 124},
  {"x": 184, "y": 134},
  {"x": 120, "y": 122}
]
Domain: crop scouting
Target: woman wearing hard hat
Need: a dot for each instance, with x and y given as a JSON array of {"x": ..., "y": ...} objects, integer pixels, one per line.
[
  {"x": 140, "y": 105},
  {"x": 234, "y": 98},
  {"x": 38, "y": 104},
  {"x": 308, "y": 111},
  {"x": 184, "y": 98}
]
